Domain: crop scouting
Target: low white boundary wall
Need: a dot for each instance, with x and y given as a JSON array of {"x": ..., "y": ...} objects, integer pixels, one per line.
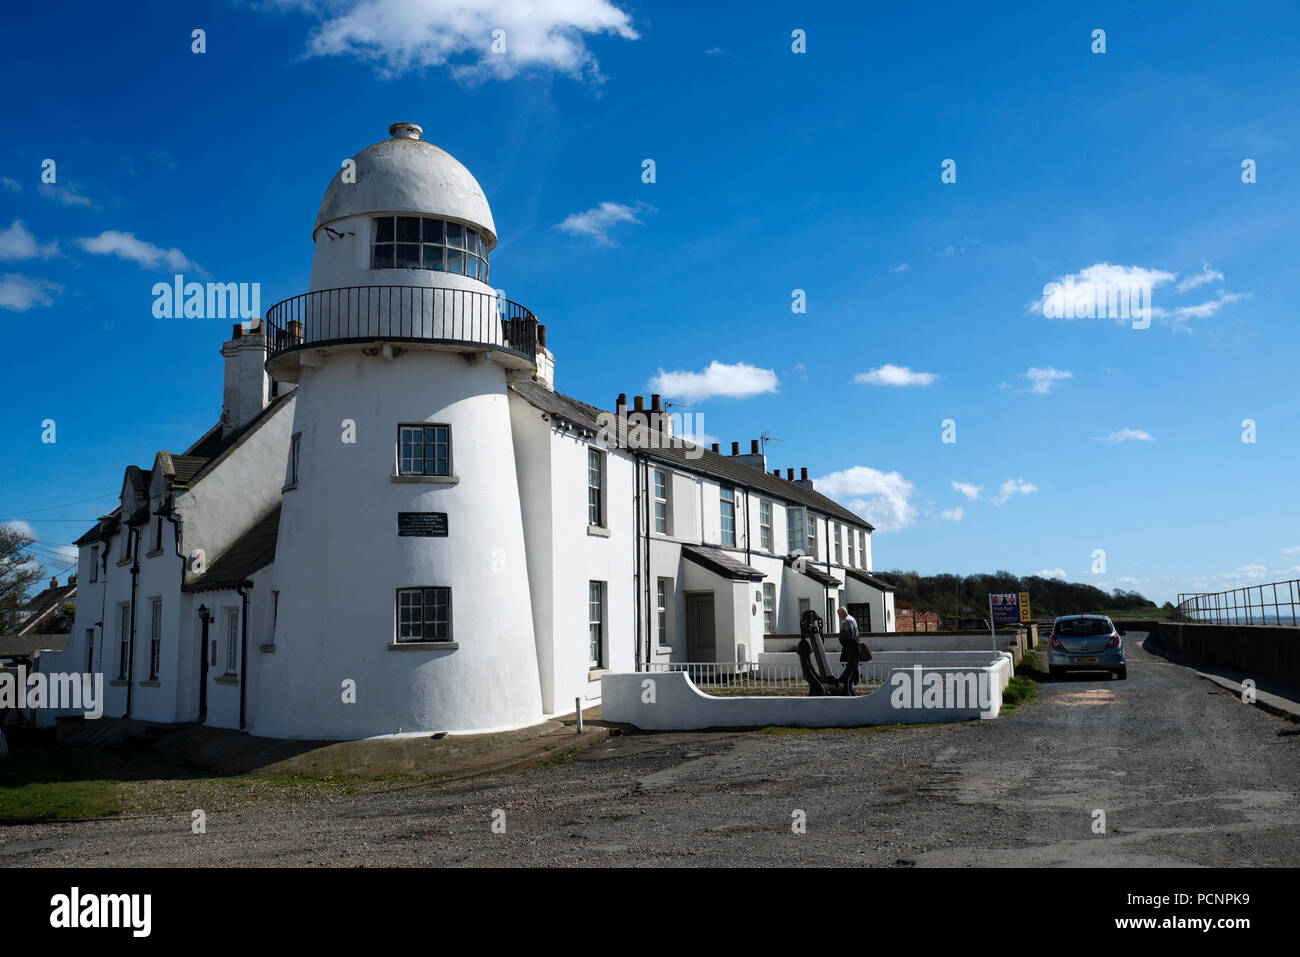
[{"x": 670, "y": 701}]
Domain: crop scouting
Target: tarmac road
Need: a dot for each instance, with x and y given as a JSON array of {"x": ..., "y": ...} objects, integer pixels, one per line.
[{"x": 1185, "y": 773}]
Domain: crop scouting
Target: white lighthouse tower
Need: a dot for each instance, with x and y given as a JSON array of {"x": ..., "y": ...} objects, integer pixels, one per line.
[{"x": 403, "y": 594}]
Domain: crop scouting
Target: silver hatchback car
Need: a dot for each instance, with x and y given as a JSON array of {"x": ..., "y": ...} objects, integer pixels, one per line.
[{"x": 1086, "y": 643}]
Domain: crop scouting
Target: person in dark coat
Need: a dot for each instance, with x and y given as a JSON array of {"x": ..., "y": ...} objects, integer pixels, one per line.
[{"x": 850, "y": 651}]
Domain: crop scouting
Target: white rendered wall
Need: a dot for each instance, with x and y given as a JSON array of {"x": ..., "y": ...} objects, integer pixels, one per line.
[{"x": 339, "y": 561}]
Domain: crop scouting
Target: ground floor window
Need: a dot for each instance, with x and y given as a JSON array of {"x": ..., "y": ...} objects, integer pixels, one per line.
[
  {"x": 595, "y": 623},
  {"x": 861, "y": 613},
  {"x": 155, "y": 641},
  {"x": 124, "y": 637},
  {"x": 769, "y": 608},
  {"x": 424, "y": 614},
  {"x": 661, "y": 608}
]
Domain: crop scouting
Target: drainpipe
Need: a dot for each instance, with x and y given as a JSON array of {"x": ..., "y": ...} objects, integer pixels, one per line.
[
  {"x": 637, "y": 571},
  {"x": 243, "y": 652},
  {"x": 130, "y": 648},
  {"x": 645, "y": 478}
]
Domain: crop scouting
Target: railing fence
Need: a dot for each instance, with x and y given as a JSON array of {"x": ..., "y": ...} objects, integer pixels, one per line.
[{"x": 1272, "y": 603}]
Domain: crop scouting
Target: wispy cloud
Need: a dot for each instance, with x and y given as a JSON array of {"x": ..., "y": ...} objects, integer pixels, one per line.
[
  {"x": 595, "y": 223},
  {"x": 402, "y": 35},
  {"x": 1052, "y": 573},
  {"x": 69, "y": 194},
  {"x": 882, "y": 498},
  {"x": 1013, "y": 487},
  {"x": 972, "y": 492},
  {"x": 901, "y": 267},
  {"x": 127, "y": 246},
  {"x": 951, "y": 514},
  {"x": 17, "y": 243},
  {"x": 737, "y": 381},
  {"x": 1043, "y": 379},
  {"x": 19, "y": 293},
  {"x": 11, "y": 184},
  {"x": 1205, "y": 309},
  {"x": 894, "y": 375},
  {"x": 1207, "y": 274},
  {"x": 1126, "y": 435},
  {"x": 1080, "y": 294},
  {"x": 1247, "y": 572}
]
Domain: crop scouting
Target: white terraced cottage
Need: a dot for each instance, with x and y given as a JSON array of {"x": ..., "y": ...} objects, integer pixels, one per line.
[{"x": 399, "y": 526}]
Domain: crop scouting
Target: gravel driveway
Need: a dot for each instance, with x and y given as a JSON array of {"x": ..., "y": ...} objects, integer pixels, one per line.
[{"x": 1185, "y": 774}]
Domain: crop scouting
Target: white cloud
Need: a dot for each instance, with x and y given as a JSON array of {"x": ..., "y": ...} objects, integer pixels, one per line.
[
  {"x": 1247, "y": 571},
  {"x": 1130, "y": 580},
  {"x": 1207, "y": 274},
  {"x": 20, "y": 293},
  {"x": 882, "y": 498},
  {"x": 596, "y": 222},
  {"x": 951, "y": 514},
  {"x": 1293, "y": 550},
  {"x": 1052, "y": 573},
  {"x": 11, "y": 184},
  {"x": 894, "y": 375},
  {"x": 1205, "y": 309},
  {"x": 69, "y": 194},
  {"x": 1126, "y": 435},
  {"x": 17, "y": 243},
  {"x": 1085, "y": 292},
  {"x": 738, "y": 381},
  {"x": 114, "y": 243},
  {"x": 901, "y": 267},
  {"x": 1044, "y": 378},
  {"x": 972, "y": 492},
  {"x": 1013, "y": 487},
  {"x": 401, "y": 35}
]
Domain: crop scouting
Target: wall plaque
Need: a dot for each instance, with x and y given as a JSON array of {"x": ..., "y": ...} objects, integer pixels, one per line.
[{"x": 422, "y": 524}]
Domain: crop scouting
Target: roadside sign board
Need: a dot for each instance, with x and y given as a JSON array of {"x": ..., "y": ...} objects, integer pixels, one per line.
[
  {"x": 1006, "y": 608},
  {"x": 1024, "y": 606}
]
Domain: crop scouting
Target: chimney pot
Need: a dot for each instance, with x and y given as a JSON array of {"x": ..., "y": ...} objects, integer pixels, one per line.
[
  {"x": 238, "y": 331},
  {"x": 776, "y": 472},
  {"x": 638, "y": 403},
  {"x": 54, "y": 583},
  {"x": 654, "y": 402},
  {"x": 735, "y": 448},
  {"x": 789, "y": 475},
  {"x": 803, "y": 474},
  {"x": 541, "y": 335},
  {"x": 715, "y": 446},
  {"x": 620, "y": 404},
  {"x": 753, "y": 446}
]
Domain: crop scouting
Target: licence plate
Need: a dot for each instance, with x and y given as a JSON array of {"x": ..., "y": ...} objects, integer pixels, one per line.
[{"x": 1085, "y": 661}]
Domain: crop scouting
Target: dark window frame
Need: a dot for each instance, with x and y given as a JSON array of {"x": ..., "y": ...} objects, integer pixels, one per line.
[
  {"x": 424, "y": 623},
  {"x": 435, "y": 246},
  {"x": 424, "y": 442}
]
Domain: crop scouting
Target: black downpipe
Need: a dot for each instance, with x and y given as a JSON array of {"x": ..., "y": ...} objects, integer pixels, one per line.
[
  {"x": 130, "y": 648},
  {"x": 243, "y": 652},
  {"x": 649, "y": 626},
  {"x": 636, "y": 523}
]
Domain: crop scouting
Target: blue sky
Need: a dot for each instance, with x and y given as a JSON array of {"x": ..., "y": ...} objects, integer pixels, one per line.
[{"x": 775, "y": 171}]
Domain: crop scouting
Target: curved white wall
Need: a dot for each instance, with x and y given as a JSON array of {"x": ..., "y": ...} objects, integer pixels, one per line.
[{"x": 339, "y": 560}]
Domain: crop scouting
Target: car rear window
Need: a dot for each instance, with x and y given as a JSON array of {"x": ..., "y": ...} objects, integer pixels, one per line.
[{"x": 1083, "y": 627}]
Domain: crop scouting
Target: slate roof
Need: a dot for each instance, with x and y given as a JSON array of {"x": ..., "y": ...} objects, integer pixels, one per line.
[
  {"x": 25, "y": 646},
  {"x": 701, "y": 460},
  {"x": 813, "y": 571},
  {"x": 43, "y": 604},
  {"x": 877, "y": 583},
  {"x": 721, "y": 562},
  {"x": 253, "y": 550}
]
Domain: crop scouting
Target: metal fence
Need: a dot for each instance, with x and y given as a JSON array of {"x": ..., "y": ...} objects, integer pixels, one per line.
[
  {"x": 1274, "y": 603},
  {"x": 744, "y": 678},
  {"x": 413, "y": 313}
]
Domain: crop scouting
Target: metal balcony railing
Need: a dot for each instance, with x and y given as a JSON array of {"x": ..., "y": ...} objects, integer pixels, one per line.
[
  {"x": 1273, "y": 603},
  {"x": 401, "y": 314}
]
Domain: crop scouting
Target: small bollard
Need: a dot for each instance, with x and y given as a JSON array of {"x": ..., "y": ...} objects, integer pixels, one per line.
[{"x": 577, "y": 707}]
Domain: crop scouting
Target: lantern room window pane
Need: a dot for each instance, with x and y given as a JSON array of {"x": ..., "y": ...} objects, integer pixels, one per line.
[
  {"x": 408, "y": 229},
  {"x": 408, "y": 256},
  {"x": 455, "y": 261},
  {"x": 433, "y": 257},
  {"x": 384, "y": 229},
  {"x": 456, "y": 235},
  {"x": 433, "y": 231},
  {"x": 383, "y": 257}
]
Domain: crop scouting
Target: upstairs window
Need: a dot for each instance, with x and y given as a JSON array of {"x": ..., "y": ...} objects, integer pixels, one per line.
[
  {"x": 837, "y": 545},
  {"x": 595, "y": 486},
  {"x": 94, "y": 563},
  {"x": 812, "y": 536},
  {"x": 417, "y": 242},
  {"x": 295, "y": 458},
  {"x": 795, "y": 540},
  {"x": 728, "y": 499},
  {"x": 663, "y": 523},
  {"x": 765, "y": 524},
  {"x": 424, "y": 449}
]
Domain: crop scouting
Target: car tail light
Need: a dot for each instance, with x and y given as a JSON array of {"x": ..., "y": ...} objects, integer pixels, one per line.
[
  {"x": 1055, "y": 643},
  {"x": 1114, "y": 642}
]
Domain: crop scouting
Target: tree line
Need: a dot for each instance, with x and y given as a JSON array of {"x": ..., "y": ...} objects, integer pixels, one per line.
[{"x": 967, "y": 595}]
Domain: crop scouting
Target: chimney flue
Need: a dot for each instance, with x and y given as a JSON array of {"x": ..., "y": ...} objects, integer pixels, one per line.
[
  {"x": 753, "y": 446},
  {"x": 735, "y": 448},
  {"x": 638, "y": 403},
  {"x": 789, "y": 475},
  {"x": 238, "y": 331},
  {"x": 715, "y": 446},
  {"x": 654, "y": 402},
  {"x": 541, "y": 335},
  {"x": 803, "y": 474},
  {"x": 405, "y": 131}
]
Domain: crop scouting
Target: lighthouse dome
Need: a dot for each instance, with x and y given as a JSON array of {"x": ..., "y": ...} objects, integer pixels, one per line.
[{"x": 405, "y": 174}]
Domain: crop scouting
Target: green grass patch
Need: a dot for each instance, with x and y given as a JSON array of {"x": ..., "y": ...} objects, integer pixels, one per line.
[{"x": 1020, "y": 689}]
